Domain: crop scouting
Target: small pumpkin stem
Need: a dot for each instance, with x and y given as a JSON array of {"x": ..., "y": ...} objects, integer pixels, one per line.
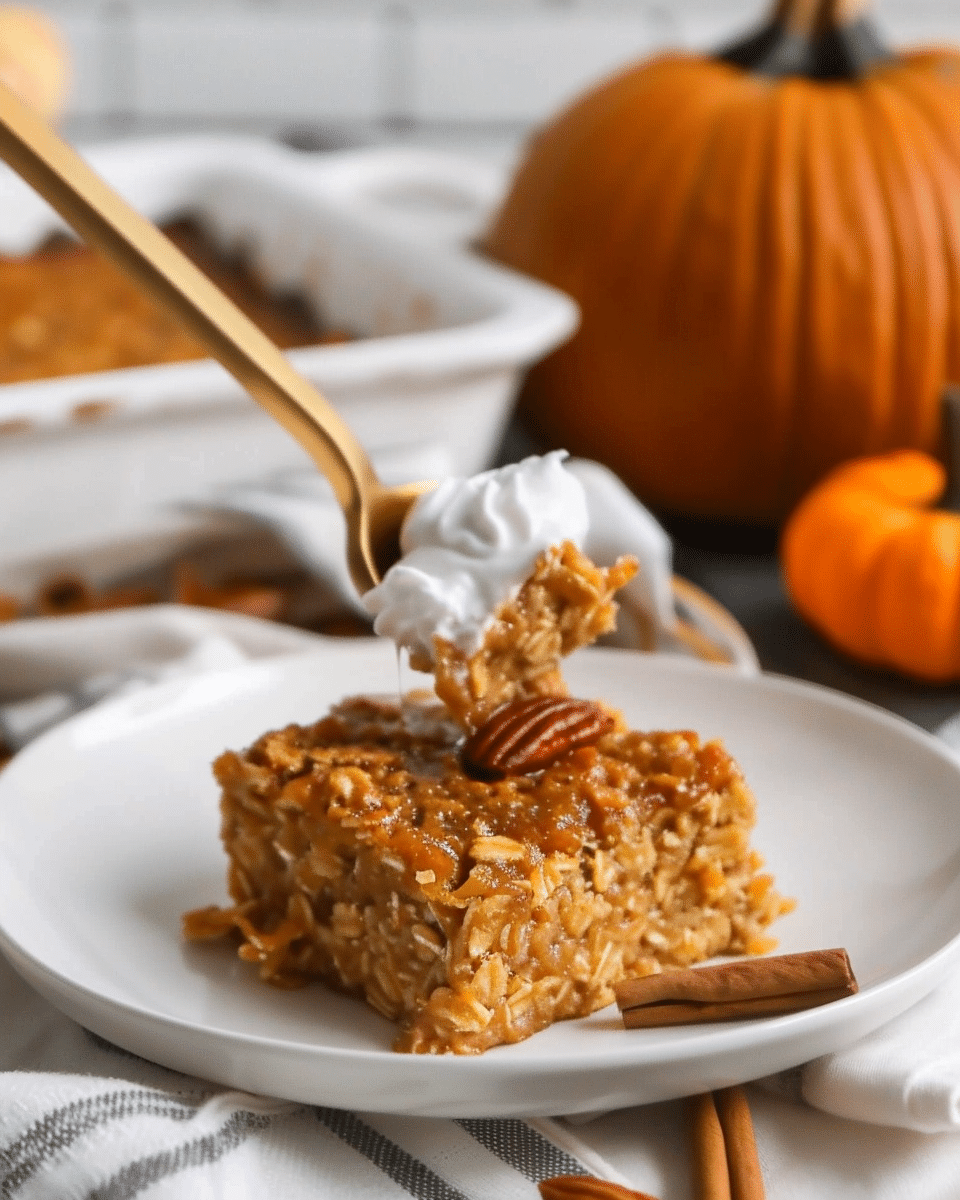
[{"x": 950, "y": 403}]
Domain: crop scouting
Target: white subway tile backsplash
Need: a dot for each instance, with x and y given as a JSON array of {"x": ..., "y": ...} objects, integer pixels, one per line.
[
  {"x": 83, "y": 35},
  {"x": 905, "y": 27},
  {"x": 389, "y": 64},
  {"x": 504, "y": 66},
  {"x": 256, "y": 61},
  {"x": 707, "y": 26}
]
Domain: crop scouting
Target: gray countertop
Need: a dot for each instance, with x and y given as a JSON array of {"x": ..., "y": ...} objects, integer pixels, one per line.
[{"x": 747, "y": 581}]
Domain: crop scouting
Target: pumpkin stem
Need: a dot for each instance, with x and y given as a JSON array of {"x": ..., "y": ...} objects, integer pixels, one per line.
[
  {"x": 950, "y": 402},
  {"x": 799, "y": 16},
  {"x": 836, "y": 13},
  {"x": 809, "y": 16},
  {"x": 819, "y": 39}
]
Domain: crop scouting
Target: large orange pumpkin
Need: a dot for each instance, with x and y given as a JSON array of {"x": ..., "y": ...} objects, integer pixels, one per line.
[{"x": 766, "y": 249}]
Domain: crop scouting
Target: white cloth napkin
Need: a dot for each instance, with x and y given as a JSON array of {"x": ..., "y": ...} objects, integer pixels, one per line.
[
  {"x": 79, "y": 1118},
  {"x": 907, "y": 1073},
  {"x": 51, "y": 668}
]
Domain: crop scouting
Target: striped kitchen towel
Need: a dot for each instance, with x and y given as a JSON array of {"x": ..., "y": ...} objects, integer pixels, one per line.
[
  {"x": 95, "y": 1138},
  {"x": 81, "y": 1119}
]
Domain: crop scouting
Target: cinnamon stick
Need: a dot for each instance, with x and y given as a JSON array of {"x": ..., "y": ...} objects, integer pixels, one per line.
[
  {"x": 711, "y": 1179},
  {"x": 725, "y": 1161},
  {"x": 743, "y": 1162},
  {"x": 759, "y": 987}
]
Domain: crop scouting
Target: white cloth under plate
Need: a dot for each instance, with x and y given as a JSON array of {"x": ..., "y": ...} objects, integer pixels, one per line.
[
  {"x": 51, "y": 668},
  {"x": 79, "y": 1118},
  {"x": 905, "y": 1074}
]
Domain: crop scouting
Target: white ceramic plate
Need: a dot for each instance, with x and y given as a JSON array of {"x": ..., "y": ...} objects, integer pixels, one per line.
[{"x": 109, "y": 831}]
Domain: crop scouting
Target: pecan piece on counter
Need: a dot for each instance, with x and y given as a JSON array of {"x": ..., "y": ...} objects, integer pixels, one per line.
[{"x": 587, "y": 1187}]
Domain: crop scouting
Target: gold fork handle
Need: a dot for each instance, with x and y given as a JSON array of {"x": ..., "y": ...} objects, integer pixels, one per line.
[{"x": 105, "y": 219}]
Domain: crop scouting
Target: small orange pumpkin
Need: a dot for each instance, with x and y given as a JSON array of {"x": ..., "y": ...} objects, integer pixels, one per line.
[
  {"x": 875, "y": 568},
  {"x": 765, "y": 247}
]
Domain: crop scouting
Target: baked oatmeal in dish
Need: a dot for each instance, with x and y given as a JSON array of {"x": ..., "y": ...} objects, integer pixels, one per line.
[
  {"x": 483, "y": 861},
  {"x": 67, "y": 310}
]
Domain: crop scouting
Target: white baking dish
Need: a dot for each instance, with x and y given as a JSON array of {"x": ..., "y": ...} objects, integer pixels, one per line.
[{"x": 100, "y": 458}]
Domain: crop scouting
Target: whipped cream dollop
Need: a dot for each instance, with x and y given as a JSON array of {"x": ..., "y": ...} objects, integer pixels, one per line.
[{"x": 469, "y": 545}]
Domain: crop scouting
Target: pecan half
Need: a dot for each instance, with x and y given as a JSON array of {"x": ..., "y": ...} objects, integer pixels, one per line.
[
  {"x": 587, "y": 1187},
  {"x": 527, "y": 735}
]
